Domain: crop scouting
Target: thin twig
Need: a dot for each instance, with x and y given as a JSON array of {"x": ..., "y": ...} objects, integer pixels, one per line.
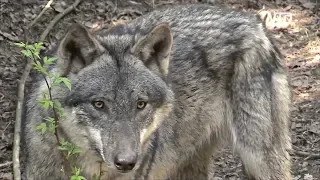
[
  {"x": 3, "y": 165},
  {"x": 9, "y": 36},
  {"x": 301, "y": 153},
  {"x": 309, "y": 156},
  {"x": 57, "y": 18},
  {"x": 17, "y": 127},
  {"x": 312, "y": 157},
  {"x": 41, "y": 13}
]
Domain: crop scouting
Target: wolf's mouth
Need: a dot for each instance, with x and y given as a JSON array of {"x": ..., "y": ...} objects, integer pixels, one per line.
[{"x": 124, "y": 171}]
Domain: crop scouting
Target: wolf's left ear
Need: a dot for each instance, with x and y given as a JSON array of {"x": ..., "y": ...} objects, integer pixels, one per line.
[
  {"x": 154, "y": 49},
  {"x": 77, "y": 50}
]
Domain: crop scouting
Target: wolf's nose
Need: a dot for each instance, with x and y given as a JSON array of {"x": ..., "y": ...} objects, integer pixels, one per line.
[{"x": 125, "y": 161}]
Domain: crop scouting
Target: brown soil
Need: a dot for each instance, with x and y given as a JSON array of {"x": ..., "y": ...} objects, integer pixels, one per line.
[{"x": 298, "y": 39}]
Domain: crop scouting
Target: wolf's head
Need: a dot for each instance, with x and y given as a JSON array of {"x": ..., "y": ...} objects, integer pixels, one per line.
[{"x": 120, "y": 93}]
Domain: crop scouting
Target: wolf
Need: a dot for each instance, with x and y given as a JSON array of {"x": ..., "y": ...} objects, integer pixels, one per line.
[{"x": 154, "y": 98}]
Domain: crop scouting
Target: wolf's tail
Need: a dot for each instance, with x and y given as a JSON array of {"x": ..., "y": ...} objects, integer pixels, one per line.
[{"x": 261, "y": 100}]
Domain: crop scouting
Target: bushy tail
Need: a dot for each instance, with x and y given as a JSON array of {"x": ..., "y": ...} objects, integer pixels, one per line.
[{"x": 261, "y": 105}]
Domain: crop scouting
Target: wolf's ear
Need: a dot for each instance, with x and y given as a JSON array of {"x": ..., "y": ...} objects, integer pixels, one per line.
[
  {"x": 77, "y": 50},
  {"x": 154, "y": 49}
]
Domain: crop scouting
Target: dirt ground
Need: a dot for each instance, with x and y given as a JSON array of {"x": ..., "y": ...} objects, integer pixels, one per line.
[{"x": 298, "y": 37}]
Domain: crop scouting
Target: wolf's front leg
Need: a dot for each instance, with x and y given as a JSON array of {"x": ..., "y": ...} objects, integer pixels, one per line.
[{"x": 175, "y": 157}]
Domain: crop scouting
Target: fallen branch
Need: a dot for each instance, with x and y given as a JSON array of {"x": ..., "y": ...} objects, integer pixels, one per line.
[
  {"x": 3, "y": 165},
  {"x": 57, "y": 18},
  {"x": 17, "y": 127},
  {"x": 41, "y": 13}
]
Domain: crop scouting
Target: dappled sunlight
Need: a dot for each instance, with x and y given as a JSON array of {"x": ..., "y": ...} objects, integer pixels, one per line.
[
  {"x": 276, "y": 20},
  {"x": 313, "y": 47}
]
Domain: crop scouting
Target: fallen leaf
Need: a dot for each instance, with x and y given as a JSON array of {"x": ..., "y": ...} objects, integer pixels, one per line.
[
  {"x": 6, "y": 176},
  {"x": 307, "y": 4},
  {"x": 58, "y": 7},
  {"x": 308, "y": 177}
]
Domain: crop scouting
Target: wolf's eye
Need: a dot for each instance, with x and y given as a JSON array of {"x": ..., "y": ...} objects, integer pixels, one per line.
[
  {"x": 141, "y": 104},
  {"x": 98, "y": 104}
]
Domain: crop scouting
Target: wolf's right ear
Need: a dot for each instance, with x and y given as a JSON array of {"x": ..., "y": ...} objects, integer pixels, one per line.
[
  {"x": 77, "y": 50},
  {"x": 154, "y": 49}
]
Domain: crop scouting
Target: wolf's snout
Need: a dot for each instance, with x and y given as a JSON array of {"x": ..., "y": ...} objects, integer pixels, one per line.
[{"x": 125, "y": 161}]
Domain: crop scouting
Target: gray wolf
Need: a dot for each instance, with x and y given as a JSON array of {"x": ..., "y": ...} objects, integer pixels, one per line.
[{"x": 156, "y": 97}]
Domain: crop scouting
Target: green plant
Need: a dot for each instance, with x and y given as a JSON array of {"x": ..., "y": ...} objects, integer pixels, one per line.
[
  {"x": 76, "y": 174},
  {"x": 52, "y": 80}
]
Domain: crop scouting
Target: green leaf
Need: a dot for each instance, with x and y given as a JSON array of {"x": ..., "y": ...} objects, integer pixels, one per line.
[
  {"x": 36, "y": 54},
  {"x": 50, "y": 119},
  {"x": 51, "y": 60},
  {"x": 39, "y": 45},
  {"x": 63, "y": 143},
  {"x": 30, "y": 47},
  {"x": 75, "y": 171},
  {"x": 67, "y": 82},
  {"x": 63, "y": 146},
  {"x": 52, "y": 127},
  {"x": 70, "y": 148},
  {"x": 42, "y": 127},
  {"x": 81, "y": 178},
  {"x": 56, "y": 81},
  {"x": 52, "y": 124},
  {"x": 76, "y": 174},
  {"x": 27, "y": 53},
  {"x": 77, "y": 178},
  {"x": 64, "y": 80},
  {"x": 46, "y": 103},
  {"x": 38, "y": 66},
  {"x": 76, "y": 150},
  {"x": 45, "y": 59},
  {"x": 58, "y": 106},
  {"x": 48, "y": 61},
  {"x": 20, "y": 44}
]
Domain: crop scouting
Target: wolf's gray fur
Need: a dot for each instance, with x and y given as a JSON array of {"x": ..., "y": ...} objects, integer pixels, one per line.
[{"x": 162, "y": 93}]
